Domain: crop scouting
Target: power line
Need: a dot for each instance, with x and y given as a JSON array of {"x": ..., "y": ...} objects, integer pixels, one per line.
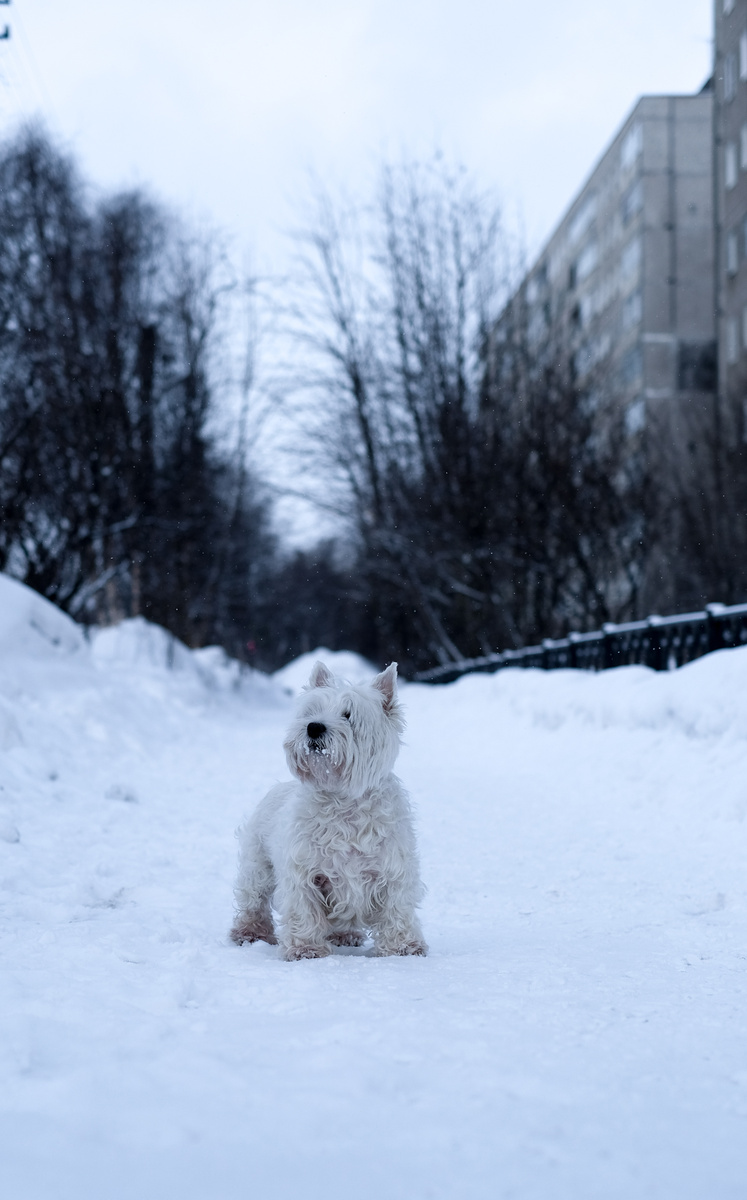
[
  {"x": 7, "y": 82},
  {"x": 34, "y": 83}
]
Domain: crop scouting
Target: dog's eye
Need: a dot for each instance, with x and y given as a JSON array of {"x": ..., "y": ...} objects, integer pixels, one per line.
[{"x": 346, "y": 715}]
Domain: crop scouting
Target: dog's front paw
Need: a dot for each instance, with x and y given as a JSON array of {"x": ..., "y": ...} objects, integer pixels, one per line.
[
  {"x": 295, "y": 953},
  {"x": 348, "y": 937},
  {"x": 413, "y": 947},
  {"x": 252, "y": 931}
]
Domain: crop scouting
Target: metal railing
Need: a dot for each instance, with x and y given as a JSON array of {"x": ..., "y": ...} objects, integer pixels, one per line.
[{"x": 662, "y": 643}]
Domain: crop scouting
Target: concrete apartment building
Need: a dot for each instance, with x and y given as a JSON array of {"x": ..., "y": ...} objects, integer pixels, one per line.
[
  {"x": 626, "y": 281},
  {"x": 730, "y": 75}
]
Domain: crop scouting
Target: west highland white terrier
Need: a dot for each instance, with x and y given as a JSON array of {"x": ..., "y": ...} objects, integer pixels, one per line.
[{"x": 333, "y": 853}]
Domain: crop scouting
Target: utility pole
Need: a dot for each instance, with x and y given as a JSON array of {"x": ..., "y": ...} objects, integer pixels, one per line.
[{"x": 6, "y": 31}]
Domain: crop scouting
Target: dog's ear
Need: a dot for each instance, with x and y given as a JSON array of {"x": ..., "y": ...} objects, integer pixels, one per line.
[
  {"x": 320, "y": 676},
  {"x": 386, "y": 682}
]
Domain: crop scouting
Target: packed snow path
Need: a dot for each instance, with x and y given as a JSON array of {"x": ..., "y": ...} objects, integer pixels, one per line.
[{"x": 578, "y": 1032}]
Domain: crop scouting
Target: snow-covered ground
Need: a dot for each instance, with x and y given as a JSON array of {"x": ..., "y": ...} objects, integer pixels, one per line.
[{"x": 578, "y": 1032}]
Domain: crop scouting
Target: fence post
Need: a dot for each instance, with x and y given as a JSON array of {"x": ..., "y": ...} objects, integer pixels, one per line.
[
  {"x": 713, "y": 625},
  {"x": 546, "y": 648},
  {"x": 573, "y": 650},
  {"x": 654, "y": 642},
  {"x": 608, "y": 655}
]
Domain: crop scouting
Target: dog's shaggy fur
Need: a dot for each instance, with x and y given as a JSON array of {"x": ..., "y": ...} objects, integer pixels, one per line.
[{"x": 333, "y": 853}]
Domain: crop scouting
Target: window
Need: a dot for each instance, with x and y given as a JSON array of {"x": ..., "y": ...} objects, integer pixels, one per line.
[
  {"x": 730, "y": 77},
  {"x": 537, "y": 327},
  {"x": 732, "y": 253},
  {"x": 696, "y": 367},
  {"x": 730, "y": 164},
  {"x": 583, "y": 218},
  {"x": 630, "y": 260},
  {"x": 632, "y": 309},
  {"x": 632, "y": 202},
  {"x": 631, "y": 366},
  {"x": 586, "y": 310},
  {"x": 732, "y": 343},
  {"x": 582, "y": 360},
  {"x": 635, "y": 416},
  {"x": 631, "y": 147},
  {"x": 537, "y": 284},
  {"x": 586, "y": 261},
  {"x": 590, "y": 353},
  {"x": 743, "y": 55}
]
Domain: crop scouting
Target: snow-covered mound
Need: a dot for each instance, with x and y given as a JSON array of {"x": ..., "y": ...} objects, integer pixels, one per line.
[
  {"x": 342, "y": 663},
  {"x": 32, "y": 627},
  {"x": 88, "y": 707},
  {"x": 706, "y": 698},
  {"x": 577, "y": 1031},
  {"x": 141, "y": 647},
  {"x": 138, "y": 643}
]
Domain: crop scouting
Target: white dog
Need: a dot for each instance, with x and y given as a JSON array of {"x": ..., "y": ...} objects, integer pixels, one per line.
[{"x": 334, "y": 852}]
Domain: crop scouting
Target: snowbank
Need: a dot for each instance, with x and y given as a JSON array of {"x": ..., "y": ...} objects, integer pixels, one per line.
[
  {"x": 142, "y": 648},
  {"x": 707, "y": 698},
  {"x": 342, "y": 663},
  {"x": 31, "y": 627}
]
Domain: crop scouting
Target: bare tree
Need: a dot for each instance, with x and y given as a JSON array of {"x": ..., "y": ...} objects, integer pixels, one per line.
[
  {"x": 117, "y": 496},
  {"x": 487, "y": 493},
  {"x": 699, "y": 459}
]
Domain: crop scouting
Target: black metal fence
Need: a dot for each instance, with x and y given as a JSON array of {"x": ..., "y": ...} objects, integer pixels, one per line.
[{"x": 659, "y": 642}]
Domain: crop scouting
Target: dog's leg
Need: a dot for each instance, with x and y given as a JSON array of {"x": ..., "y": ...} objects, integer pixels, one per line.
[
  {"x": 254, "y": 887},
  {"x": 304, "y": 923},
  {"x": 401, "y": 937},
  {"x": 395, "y": 927}
]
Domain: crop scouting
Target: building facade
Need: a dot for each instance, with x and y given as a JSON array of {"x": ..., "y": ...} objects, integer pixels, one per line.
[
  {"x": 626, "y": 282},
  {"x": 730, "y": 124}
]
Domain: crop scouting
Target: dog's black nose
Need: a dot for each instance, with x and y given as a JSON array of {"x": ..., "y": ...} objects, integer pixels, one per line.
[{"x": 315, "y": 730}]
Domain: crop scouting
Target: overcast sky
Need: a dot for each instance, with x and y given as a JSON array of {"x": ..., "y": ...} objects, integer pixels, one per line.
[{"x": 223, "y": 107}]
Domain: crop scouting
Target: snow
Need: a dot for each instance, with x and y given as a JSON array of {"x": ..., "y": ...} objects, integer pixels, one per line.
[
  {"x": 579, "y": 1029},
  {"x": 341, "y": 663}
]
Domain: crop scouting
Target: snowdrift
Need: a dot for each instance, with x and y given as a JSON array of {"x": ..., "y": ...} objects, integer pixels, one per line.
[
  {"x": 31, "y": 627},
  {"x": 707, "y": 698},
  {"x": 341, "y": 662},
  {"x": 578, "y": 1030}
]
